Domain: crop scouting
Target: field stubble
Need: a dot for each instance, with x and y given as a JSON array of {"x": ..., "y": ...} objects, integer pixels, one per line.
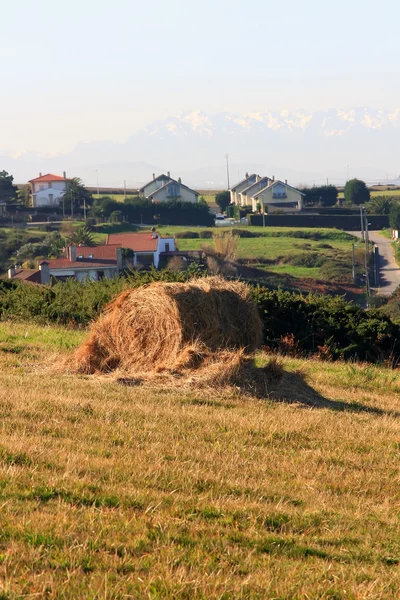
[{"x": 111, "y": 491}]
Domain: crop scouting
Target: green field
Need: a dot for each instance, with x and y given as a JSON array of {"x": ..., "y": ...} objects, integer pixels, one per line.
[
  {"x": 278, "y": 249},
  {"x": 111, "y": 492},
  {"x": 374, "y": 193}
]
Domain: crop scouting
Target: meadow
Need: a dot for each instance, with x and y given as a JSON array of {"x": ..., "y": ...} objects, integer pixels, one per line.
[
  {"x": 274, "y": 250},
  {"x": 111, "y": 491}
]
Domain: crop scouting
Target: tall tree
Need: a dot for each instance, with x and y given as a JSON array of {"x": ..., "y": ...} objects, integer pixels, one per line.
[
  {"x": 76, "y": 197},
  {"x": 356, "y": 192},
  {"x": 223, "y": 199},
  {"x": 25, "y": 194},
  {"x": 8, "y": 191},
  {"x": 325, "y": 195}
]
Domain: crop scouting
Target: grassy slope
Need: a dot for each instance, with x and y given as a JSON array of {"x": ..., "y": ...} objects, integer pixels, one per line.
[{"x": 115, "y": 492}]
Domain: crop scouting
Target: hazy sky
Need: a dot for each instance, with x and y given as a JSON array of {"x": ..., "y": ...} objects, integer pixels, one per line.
[{"x": 87, "y": 70}]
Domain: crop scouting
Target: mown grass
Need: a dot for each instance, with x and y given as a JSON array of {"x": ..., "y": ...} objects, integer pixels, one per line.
[{"x": 108, "y": 491}]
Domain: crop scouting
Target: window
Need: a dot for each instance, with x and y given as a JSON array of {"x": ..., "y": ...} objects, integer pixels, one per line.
[
  {"x": 51, "y": 198},
  {"x": 41, "y": 187},
  {"x": 90, "y": 256},
  {"x": 50, "y": 185},
  {"x": 166, "y": 247},
  {"x": 80, "y": 257},
  {"x": 173, "y": 190}
]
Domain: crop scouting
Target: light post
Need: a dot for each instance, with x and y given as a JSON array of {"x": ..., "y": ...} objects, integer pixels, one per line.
[{"x": 97, "y": 180}]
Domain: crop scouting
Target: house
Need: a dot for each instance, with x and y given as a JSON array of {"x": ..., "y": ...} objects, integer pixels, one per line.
[
  {"x": 242, "y": 185},
  {"x": 154, "y": 185},
  {"x": 85, "y": 262},
  {"x": 278, "y": 196},
  {"x": 48, "y": 190},
  {"x": 148, "y": 247},
  {"x": 164, "y": 188},
  {"x": 244, "y": 197},
  {"x": 28, "y": 275}
]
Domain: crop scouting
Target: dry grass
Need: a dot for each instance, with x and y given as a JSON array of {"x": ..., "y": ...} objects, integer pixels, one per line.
[
  {"x": 111, "y": 491},
  {"x": 172, "y": 326}
]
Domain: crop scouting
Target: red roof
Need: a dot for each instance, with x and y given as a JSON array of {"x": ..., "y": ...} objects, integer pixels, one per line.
[
  {"x": 48, "y": 177},
  {"x": 66, "y": 263},
  {"x": 108, "y": 252},
  {"x": 138, "y": 242},
  {"x": 31, "y": 275}
]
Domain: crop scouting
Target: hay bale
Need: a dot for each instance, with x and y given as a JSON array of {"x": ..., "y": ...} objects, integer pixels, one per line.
[{"x": 169, "y": 326}]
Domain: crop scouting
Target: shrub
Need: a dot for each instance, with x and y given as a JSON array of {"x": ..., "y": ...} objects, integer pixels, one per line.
[
  {"x": 206, "y": 234},
  {"x": 187, "y": 235}
]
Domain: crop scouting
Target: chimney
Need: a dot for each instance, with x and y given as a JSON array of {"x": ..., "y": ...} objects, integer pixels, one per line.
[
  {"x": 11, "y": 272},
  {"x": 40, "y": 174},
  {"x": 247, "y": 175},
  {"x": 65, "y": 175},
  {"x": 72, "y": 253},
  {"x": 273, "y": 177},
  {"x": 119, "y": 259},
  {"x": 154, "y": 233},
  {"x": 286, "y": 181},
  {"x": 44, "y": 269},
  {"x": 154, "y": 176},
  {"x": 180, "y": 180},
  {"x": 169, "y": 174}
]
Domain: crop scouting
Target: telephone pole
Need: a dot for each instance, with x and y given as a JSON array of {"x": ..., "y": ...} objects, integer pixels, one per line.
[{"x": 227, "y": 170}]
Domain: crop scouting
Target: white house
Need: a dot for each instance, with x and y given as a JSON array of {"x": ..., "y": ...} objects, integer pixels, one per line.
[
  {"x": 242, "y": 185},
  {"x": 278, "y": 196},
  {"x": 163, "y": 188},
  {"x": 86, "y": 262},
  {"x": 148, "y": 247},
  {"x": 48, "y": 190}
]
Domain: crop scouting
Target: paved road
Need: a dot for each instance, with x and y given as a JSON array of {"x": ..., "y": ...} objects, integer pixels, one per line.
[{"x": 389, "y": 272}]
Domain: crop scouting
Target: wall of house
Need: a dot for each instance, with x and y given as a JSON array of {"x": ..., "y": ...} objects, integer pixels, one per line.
[
  {"x": 82, "y": 274},
  {"x": 55, "y": 185},
  {"x": 246, "y": 199},
  {"x": 47, "y": 197},
  {"x": 267, "y": 197},
  {"x": 235, "y": 198},
  {"x": 186, "y": 195},
  {"x": 152, "y": 187}
]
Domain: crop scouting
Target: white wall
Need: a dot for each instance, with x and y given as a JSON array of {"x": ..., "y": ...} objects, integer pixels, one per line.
[{"x": 186, "y": 195}]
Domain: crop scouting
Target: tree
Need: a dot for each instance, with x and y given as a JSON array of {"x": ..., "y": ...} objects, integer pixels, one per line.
[
  {"x": 82, "y": 235},
  {"x": 381, "y": 205},
  {"x": 76, "y": 197},
  {"x": 394, "y": 216},
  {"x": 356, "y": 192},
  {"x": 325, "y": 195},
  {"x": 223, "y": 199},
  {"x": 25, "y": 194},
  {"x": 8, "y": 191}
]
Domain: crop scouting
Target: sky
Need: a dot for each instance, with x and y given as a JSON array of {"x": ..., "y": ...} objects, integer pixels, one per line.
[{"x": 100, "y": 70}]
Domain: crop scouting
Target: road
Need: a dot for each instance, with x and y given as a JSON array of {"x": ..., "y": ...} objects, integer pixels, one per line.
[{"x": 389, "y": 272}]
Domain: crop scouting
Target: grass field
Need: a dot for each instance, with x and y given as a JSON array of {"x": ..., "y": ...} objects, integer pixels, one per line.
[
  {"x": 374, "y": 193},
  {"x": 254, "y": 250},
  {"x": 113, "y": 492},
  {"x": 209, "y": 198}
]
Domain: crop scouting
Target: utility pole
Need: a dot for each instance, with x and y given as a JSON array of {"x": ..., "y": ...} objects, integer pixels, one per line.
[
  {"x": 353, "y": 263},
  {"x": 227, "y": 170},
  {"x": 124, "y": 189},
  {"x": 97, "y": 179},
  {"x": 362, "y": 223},
  {"x": 72, "y": 204},
  {"x": 366, "y": 256}
]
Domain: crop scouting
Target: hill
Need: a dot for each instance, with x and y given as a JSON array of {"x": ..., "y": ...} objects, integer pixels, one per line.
[{"x": 110, "y": 491}]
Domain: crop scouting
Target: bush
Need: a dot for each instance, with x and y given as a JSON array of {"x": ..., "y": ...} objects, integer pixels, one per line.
[
  {"x": 305, "y": 259},
  {"x": 187, "y": 235},
  {"x": 206, "y": 234}
]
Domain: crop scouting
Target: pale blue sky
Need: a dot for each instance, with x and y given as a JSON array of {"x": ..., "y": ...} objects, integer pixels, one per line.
[{"x": 87, "y": 70}]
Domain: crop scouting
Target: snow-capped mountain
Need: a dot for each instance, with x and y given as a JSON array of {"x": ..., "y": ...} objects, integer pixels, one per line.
[{"x": 300, "y": 145}]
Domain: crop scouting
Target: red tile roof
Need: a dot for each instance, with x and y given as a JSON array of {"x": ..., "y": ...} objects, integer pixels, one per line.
[
  {"x": 108, "y": 252},
  {"x": 48, "y": 177},
  {"x": 31, "y": 275},
  {"x": 88, "y": 263},
  {"x": 138, "y": 242}
]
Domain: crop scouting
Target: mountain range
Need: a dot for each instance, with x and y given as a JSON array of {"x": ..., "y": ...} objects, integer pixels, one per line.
[{"x": 299, "y": 145}]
